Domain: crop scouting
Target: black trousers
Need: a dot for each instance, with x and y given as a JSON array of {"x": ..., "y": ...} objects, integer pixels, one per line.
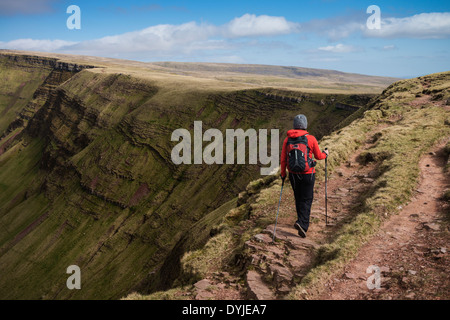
[{"x": 303, "y": 187}]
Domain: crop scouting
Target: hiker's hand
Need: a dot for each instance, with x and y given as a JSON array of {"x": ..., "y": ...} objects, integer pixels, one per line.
[
  {"x": 282, "y": 178},
  {"x": 326, "y": 151}
]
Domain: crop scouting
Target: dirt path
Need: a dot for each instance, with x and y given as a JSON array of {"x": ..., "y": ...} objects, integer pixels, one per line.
[
  {"x": 273, "y": 269},
  {"x": 410, "y": 250}
]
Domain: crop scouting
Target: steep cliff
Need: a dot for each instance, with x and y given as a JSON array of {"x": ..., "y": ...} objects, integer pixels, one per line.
[{"x": 87, "y": 178}]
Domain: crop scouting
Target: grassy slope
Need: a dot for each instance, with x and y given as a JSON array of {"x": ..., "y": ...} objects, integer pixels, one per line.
[
  {"x": 17, "y": 86},
  {"x": 402, "y": 132},
  {"x": 70, "y": 185}
]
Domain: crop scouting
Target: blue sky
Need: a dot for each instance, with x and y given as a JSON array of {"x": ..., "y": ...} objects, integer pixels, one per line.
[{"x": 413, "y": 38}]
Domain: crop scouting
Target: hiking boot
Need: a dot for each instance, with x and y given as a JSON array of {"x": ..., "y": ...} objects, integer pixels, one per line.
[{"x": 301, "y": 232}]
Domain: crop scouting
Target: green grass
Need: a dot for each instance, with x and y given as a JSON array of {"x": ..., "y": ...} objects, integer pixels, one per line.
[{"x": 17, "y": 86}]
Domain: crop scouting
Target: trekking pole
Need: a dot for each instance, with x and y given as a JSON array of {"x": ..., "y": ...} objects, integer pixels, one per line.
[
  {"x": 278, "y": 210},
  {"x": 326, "y": 195}
]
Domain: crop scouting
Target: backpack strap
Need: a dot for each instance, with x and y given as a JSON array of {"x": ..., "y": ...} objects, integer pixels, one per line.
[{"x": 307, "y": 146}]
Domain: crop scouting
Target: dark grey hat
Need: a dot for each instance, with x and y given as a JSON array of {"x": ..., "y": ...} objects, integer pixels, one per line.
[{"x": 300, "y": 122}]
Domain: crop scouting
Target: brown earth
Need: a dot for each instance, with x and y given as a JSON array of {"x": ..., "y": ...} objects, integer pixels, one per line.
[{"x": 410, "y": 248}]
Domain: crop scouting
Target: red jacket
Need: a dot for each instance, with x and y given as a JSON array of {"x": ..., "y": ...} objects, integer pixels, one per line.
[{"x": 313, "y": 147}]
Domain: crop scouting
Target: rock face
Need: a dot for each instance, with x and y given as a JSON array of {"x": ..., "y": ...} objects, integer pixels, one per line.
[
  {"x": 38, "y": 78},
  {"x": 275, "y": 267},
  {"x": 53, "y": 63}
]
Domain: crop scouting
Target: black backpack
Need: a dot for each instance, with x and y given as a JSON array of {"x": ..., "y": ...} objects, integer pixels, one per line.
[{"x": 298, "y": 155}]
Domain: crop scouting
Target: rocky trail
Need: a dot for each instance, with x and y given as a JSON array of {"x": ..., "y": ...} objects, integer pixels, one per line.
[
  {"x": 276, "y": 268},
  {"x": 409, "y": 250},
  {"x": 407, "y": 258}
]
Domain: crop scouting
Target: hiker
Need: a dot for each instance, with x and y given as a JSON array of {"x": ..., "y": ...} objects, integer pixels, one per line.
[{"x": 301, "y": 170}]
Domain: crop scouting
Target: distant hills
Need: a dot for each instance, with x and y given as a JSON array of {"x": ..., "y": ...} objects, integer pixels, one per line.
[{"x": 243, "y": 75}]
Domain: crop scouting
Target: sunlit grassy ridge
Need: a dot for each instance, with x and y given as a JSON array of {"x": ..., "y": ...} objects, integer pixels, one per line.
[
  {"x": 226, "y": 76},
  {"x": 395, "y": 131}
]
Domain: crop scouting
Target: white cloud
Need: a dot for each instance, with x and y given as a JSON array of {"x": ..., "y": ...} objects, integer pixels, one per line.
[
  {"x": 36, "y": 45},
  {"x": 203, "y": 39},
  {"x": 166, "y": 39},
  {"x": 159, "y": 39},
  {"x": 389, "y": 47},
  {"x": 339, "y": 48},
  {"x": 250, "y": 25},
  {"x": 433, "y": 25}
]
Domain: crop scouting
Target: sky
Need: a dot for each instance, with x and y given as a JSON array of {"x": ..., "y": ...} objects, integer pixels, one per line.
[{"x": 398, "y": 38}]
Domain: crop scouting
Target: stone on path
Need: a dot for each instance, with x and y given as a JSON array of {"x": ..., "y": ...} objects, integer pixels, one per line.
[{"x": 257, "y": 289}]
